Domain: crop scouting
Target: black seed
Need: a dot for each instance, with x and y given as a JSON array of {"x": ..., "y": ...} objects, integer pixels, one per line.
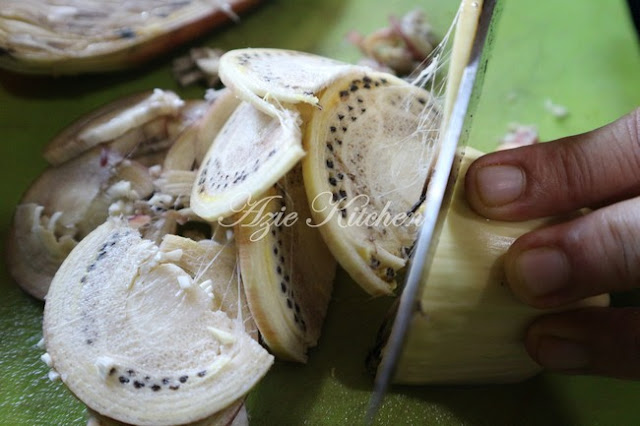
[
  {"x": 340, "y": 116},
  {"x": 367, "y": 86},
  {"x": 112, "y": 371},
  {"x": 390, "y": 273},
  {"x": 283, "y": 287},
  {"x": 202, "y": 373},
  {"x": 91, "y": 267},
  {"x": 375, "y": 262},
  {"x": 366, "y": 79},
  {"x": 138, "y": 384},
  {"x": 295, "y": 318},
  {"x": 155, "y": 388},
  {"x": 343, "y": 193},
  {"x": 343, "y": 213},
  {"x": 383, "y": 80},
  {"x": 333, "y": 181},
  {"x": 126, "y": 33},
  {"x": 330, "y": 147},
  {"x": 339, "y": 142},
  {"x": 353, "y": 88},
  {"x": 123, "y": 379},
  {"x": 183, "y": 379},
  {"x": 165, "y": 381},
  {"x": 89, "y": 341},
  {"x": 83, "y": 279},
  {"x": 297, "y": 308},
  {"x": 147, "y": 378},
  {"x": 363, "y": 110},
  {"x": 329, "y": 164},
  {"x": 281, "y": 259},
  {"x": 275, "y": 250},
  {"x": 344, "y": 129},
  {"x": 131, "y": 373},
  {"x": 273, "y": 232},
  {"x": 340, "y": 175},
  {"x": 349, "y": 107},
  {"x": 286, "y": 278},
  {"x": 335, "y": 196},
  {"x": 359, "y": 100},
  {"x": 423, "y": 101},
  {"x": 354, "y": 118},
  {"x": 113, "y": 243},
  {"x": 344, "y": 93},
  {"x": 289, "y": 304},
  {"x": 279, "y": 270},
  {"x": 333, "y": 129},
  {"x": 174, "y": 387}
]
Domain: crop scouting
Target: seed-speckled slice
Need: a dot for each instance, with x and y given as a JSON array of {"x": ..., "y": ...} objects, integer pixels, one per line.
[
  {"x": 368, "y": 153},
  {"x": 251, "y": 153},
  {"x": 286, "y": 268},
  {"x": 134, "y": 336},
  {"x": 74, "y": 36},
  {"x": 268, "y": 77}
]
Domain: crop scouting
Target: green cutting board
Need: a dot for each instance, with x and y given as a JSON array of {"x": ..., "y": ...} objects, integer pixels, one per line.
[{"x": 579, "y": 53}]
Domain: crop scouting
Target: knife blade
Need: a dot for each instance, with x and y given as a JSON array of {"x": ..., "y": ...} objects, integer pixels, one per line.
[{"x": 471, "y": 48}]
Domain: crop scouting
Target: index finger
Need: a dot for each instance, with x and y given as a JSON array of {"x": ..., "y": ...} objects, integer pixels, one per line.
[{"x": 594, "y": 168}]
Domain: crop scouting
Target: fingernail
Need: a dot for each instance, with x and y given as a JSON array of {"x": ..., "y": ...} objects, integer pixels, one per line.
[
  {"x": 540, "y": 271},
  {"x": 560, "y": 354},
  {"x": 499, "y": 185}
]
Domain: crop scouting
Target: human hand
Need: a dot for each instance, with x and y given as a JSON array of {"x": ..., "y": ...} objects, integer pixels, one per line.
[{"x": 593, "y": 254}]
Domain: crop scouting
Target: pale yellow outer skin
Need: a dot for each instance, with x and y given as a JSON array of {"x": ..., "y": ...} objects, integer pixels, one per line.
[{"x": 470, "y": 327}]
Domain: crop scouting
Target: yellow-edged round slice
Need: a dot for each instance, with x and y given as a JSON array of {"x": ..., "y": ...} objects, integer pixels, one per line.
[
  {"x": 287, "y": 270},
  {"x": 251, "y": 153},
  {"x": 369, "y": 151},
  {"x": 135, "y": 336},
  {"x": 269, "y": 78}
]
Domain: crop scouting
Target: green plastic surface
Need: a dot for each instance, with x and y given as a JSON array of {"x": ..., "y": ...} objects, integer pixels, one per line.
[{"x": 579, "y": 53}]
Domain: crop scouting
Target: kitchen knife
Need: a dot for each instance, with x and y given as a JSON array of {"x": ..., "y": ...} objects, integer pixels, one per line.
[{"x": 475, "y": 24}]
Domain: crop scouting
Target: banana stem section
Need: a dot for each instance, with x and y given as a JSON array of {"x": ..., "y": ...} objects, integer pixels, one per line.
[{"x": 469, "y": 327}]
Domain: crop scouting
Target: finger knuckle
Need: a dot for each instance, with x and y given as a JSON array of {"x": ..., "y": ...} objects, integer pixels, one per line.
[
  {"x": 622, "y": 243},
  {"x": 627, "y": 138},
  {"x": 574, "y": 171}
]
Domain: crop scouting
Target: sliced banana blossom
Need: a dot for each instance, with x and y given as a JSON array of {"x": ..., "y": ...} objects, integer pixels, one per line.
[
  {"x": 77, "y": 36},
  {"x": 135, "y": 344}
]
